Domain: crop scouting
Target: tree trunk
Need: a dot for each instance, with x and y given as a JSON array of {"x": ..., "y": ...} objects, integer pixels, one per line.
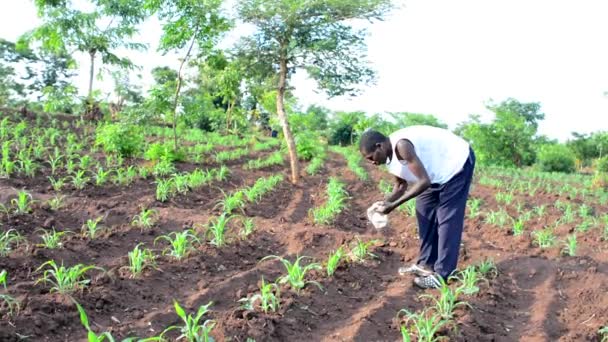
[
  {"x": 291, "y": 146},
  {"x": 91, "y": 74},
  {"x": 179, "y": 87}
]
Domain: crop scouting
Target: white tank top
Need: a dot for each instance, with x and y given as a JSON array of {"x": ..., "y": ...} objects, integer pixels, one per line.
[{"x": 442, "y": 153}]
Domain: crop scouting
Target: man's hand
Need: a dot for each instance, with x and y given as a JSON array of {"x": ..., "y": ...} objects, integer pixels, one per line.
[{"x": 386, "y": 208}]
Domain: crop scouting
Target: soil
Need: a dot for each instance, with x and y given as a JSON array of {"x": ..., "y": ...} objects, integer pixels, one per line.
[{"x": 538, "y": 295}]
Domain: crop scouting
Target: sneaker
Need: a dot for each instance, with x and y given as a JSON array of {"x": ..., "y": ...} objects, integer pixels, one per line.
[
  {"x": 418, "y": 270},
  {"x": 428, "y": 282}
]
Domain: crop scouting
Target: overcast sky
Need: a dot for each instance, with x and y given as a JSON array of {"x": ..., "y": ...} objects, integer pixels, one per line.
[{"x": 448, "y": 58}]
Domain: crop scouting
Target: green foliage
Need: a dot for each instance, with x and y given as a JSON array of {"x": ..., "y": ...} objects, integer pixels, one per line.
[
  {"x": 158, "y": 151},
  {"x": 336, "y": 202},
  {"x": 601, "y": 164},
  {"x": 307, "y": 145},
  {"x": 333, "y": 261},
  {"x": 139, "y": 259},
  {"x": 192, "y": 330},
  {"x": 65, "y": 280},
  {"x": 181, "y": 244},
  {"x": 556, "y": 158},
  {"x": 342, "y": 128},
  {"x": 269, "y": 297},
  {"x": 326, "y": 45},
  {"x": 509, "y": 139},
  {"x": 8, "y": 240},
  {"x": 406, "y": 119},
  {"x": 586, "y": 147},
  {"x": 121, "y": 138},
  {"x": 295, "y": 272}
]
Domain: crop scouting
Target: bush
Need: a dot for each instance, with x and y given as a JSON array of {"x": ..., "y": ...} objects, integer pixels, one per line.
[
  {"x": 119, "y": 138},
  {"x": 556, "y": 158},
  {"x": 307, "y": 146},
  {"x": 601, "y": 164},
  {"x": 156, "y": 151}
]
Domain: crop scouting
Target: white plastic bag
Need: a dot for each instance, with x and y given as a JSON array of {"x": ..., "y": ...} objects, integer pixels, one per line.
[{"x": 377, "y": 219}]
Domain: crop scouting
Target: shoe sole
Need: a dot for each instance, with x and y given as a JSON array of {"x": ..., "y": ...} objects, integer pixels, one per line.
[{"x": 403, "y": 271}]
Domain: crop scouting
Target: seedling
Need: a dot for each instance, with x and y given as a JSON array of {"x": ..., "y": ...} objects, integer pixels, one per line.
[
  {"x": 269, "y": 297},
  {"x": 217, "y": 229},
  {"x": 222, "y": 173},
  {"x": 51, "y": 239},
  {"x": 79, "y": 179},
  {"x": 55, "y": 163},
  {"x": 181, "y": 244},
  {"x": 248, "y": 227},
  {"x": 57, "y": 184},
  {"x": 192, "y": 330},
  {"x": 487, "y": 268},
  {"x": 232, "y": 202},
  {"x": 544, "y": 238},
  {"x": 163, "y": 189},
  {"x": 91, "y": 227},
  {"x": 447, "y": 301},
  {"x": 518, "y": 226},
  {"x": 139, "y": 259},
  {"x": 28, "y": 166},
  {"x": 570, "y": 245},
  {"x": 180, "y": 183},
  {"x": 22, "y": 204},
  {"x": 410, "y": 207},
  {"x": 163, "y": 168},
  {"x": 56, "y": 202},
  {"x": 336, "y": 198},
  {"x": 469, "y": 279},
  {"x": 315, "y": 165},
  {"x": 102, "y": 176},
  {"x": 8, "y": 240},
  {"x": 334, "y": 261},
  {"x": 474, "y": 205},
  {"x": 120, "y": 177},
  {"x": 10, "y": 302},
  {"x": 296, "y": 273},
  {"x": 584, "y": 211},
  {"x": 540, "y": 210},
  {"x": 65, "y": 280},
  {"x": 145, "y": 219},
  {"x": 85, "y": 162},
  {"x": 425, "y": 325},
  {"x": 360, "y": 252},
  {"x": 94, "y": 337}
]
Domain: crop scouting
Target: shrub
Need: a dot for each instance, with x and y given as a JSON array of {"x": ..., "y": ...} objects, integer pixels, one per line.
[
  {"x": 601, "y": 164},
  {"x": 556, "y": 158},
  {"x": 119, "y": 138},
  {"x": 308, "y": 146},
  {"x": 157, "y": 151}
]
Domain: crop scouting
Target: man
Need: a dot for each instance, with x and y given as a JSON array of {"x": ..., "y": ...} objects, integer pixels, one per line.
[{"x": 434, "y": 166}]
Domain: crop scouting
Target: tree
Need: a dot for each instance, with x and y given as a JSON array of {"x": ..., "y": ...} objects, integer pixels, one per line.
[
  {"x": 99, "y": 32},
  {"x": 196, "y": 24},
  {"x": 406, "y": 119},
  {"x": 26, "y": 73},
  {"x": 314, "y": 35},
  {"x": 510, "y": 139}
]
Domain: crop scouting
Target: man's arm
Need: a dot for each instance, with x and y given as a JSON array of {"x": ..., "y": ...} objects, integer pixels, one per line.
[
  {"x": 406, "y": 151},
  {"x": 398, "y": 189}
]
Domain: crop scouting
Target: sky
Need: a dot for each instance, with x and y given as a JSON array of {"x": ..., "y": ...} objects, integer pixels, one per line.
[{"x": 449, "y": 58}]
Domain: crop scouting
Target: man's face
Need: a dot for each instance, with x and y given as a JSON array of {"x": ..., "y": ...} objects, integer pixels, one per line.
[{"x": 376, "y": 157}]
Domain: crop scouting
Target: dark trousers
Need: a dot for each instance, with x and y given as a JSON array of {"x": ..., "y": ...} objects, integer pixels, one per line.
[{"x": 440, "y": 214}]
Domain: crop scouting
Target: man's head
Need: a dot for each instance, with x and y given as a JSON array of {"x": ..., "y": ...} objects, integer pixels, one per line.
[{"x": 375, "y": 147}]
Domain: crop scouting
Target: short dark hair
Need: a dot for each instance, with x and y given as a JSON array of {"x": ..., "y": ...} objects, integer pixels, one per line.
[{"x": 369, "y": 139}]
